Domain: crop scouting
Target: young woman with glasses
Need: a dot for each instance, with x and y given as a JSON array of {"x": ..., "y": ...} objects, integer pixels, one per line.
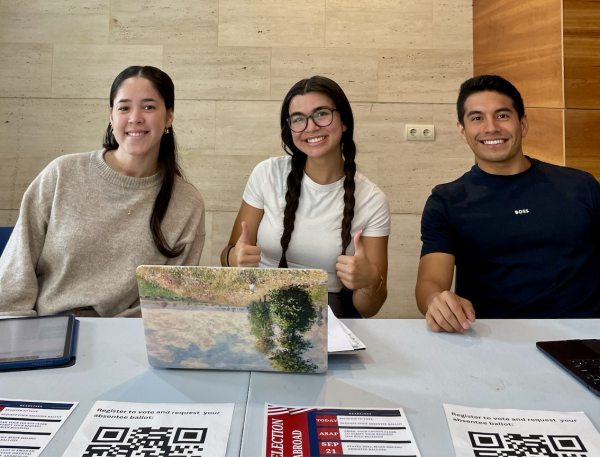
[
  {"x": 312, "y": 209},
  {"x": 88, "y": 220}
]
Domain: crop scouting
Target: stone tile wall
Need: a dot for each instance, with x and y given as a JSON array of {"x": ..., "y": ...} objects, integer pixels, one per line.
[{"x": 232, "y": 61}]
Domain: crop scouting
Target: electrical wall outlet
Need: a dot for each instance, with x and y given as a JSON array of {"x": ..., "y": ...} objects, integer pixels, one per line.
[{"x": 419, "y": 132}]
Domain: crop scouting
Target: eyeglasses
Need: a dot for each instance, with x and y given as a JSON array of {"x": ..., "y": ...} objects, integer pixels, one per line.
[{"x": 322, "y": 117}]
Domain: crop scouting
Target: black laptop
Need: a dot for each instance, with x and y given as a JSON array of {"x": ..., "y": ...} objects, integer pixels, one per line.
[{"x": 581, "y": 358}]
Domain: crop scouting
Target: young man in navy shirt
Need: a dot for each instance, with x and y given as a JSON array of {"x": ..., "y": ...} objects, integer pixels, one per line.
[{"x": 524, "y": 235}]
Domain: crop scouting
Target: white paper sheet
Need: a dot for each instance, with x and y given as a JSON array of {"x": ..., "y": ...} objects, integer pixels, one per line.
[
  {"x": 337, "y": 340},
  {"x": 354, "y": 341},
  {"x": 27, "y": 426},
  {"x": 500, "y": 432},
  {"x": 153, "y": 429}
]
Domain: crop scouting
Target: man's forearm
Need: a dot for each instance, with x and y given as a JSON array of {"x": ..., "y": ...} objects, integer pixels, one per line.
[{"x": 425, "y": 292}]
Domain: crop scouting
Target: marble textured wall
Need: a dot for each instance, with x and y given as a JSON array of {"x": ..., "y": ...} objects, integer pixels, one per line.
[{"x": 399, "y": 61}]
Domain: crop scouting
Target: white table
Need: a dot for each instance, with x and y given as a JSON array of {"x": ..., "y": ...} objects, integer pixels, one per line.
[
  {"x": 496, "y": 365},
  {"x": 112, "y": 365}
]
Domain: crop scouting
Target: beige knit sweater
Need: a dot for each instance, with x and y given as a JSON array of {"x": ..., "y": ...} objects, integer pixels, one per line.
[{"x": 82, "y": 231}]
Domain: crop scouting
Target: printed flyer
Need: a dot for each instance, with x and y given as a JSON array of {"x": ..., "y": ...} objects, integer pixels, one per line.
[
  {"x": 297, "y": 431},
  {"x": 165, "y": 429},
  {"x": 514, "y": 432},
  {"x": 27, "y": 426}
]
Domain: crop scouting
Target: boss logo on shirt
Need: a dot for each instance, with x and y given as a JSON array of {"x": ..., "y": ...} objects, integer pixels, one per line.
[{"x": 521, "y": 211}]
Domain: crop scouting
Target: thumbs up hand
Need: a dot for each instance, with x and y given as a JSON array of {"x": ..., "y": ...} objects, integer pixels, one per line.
[
  {"x": 357, "y": 272},
  {"x": 244, "y": 254}
]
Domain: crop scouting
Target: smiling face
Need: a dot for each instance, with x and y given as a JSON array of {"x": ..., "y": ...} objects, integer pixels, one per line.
[
  {"x": 493, "y": 131},
  {"x": 315, "y": 141},
  {"x": 139, "y": 118}
]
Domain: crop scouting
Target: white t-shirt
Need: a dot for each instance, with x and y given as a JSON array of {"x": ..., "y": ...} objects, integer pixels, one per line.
[{"x": 317, "y": 237}]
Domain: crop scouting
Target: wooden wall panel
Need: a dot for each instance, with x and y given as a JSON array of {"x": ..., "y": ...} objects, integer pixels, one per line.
[
  {"x": 544, "y": 141},
  {"x": 522, "y": 42},
  {"x": 582, "y": 53},
  {"x": 582, "y": 140}
]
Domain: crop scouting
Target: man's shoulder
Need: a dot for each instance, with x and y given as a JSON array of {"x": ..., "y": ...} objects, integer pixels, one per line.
[
  {"x": 454, "y": 189},
  {"x": 543, "y": 172},
  {"x": 565, "y": 181},
  {"x": 561, "y": 172}
]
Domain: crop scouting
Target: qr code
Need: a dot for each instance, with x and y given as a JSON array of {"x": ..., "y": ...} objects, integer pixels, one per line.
[
  {"x": 515, "y": 445},
  {"x": 147, "y": 442}
]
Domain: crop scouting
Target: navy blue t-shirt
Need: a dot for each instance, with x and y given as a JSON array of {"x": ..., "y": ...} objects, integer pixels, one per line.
[{"x": 526, "y": 245}]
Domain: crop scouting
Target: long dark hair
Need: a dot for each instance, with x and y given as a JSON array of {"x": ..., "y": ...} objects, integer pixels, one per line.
[
  {"x": 167, "y": 155},
  {"x": 294, "y": 180}
]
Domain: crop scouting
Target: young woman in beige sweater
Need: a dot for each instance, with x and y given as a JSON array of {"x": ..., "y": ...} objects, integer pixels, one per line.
[{"x": 88, "y": 220}]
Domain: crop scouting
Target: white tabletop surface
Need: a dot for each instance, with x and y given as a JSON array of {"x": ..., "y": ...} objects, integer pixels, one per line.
[
  {"x": 494, "y": 365},
  {"x": 112, "y": 365}
]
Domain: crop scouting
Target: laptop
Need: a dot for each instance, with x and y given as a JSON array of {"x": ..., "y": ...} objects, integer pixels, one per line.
[
  {"x": 581, "y": 358},
  {"x": 257, "y": 319}
]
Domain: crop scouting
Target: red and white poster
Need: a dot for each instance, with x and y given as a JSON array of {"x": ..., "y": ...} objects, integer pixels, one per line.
[{"x": 297, "y": 431}]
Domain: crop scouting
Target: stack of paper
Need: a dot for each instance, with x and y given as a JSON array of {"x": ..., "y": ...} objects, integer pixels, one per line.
[{"x": 340, "y": 339}]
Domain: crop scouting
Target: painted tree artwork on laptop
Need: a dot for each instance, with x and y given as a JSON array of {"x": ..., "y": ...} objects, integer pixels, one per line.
[{"x": 235, "y": 318}]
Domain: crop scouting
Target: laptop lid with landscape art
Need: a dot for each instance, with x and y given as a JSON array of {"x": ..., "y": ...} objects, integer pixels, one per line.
[{"x": 235, "y": 318}]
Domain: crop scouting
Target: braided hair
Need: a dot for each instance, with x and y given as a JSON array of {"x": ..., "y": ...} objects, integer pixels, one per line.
[{"x": 294, "y": 179}]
